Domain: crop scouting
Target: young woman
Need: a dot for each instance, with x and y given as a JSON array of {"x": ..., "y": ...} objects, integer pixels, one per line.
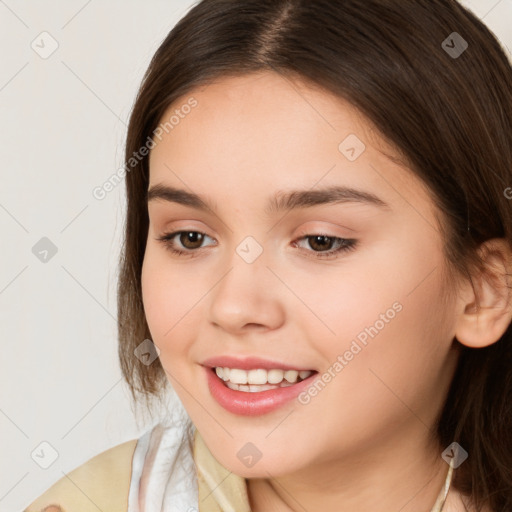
[{"x": 317, "y": 261}]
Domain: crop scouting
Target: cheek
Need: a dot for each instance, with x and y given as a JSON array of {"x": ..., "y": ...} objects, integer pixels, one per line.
[
  {"x": 155, "y": 294},
  {"x": 371, "y": 386},
  {"x": 385, "y": 316},
  {"x": 399, "y": 358},
  {"x": 165, "y": 295},
  {"x": 345, "y": 302}
]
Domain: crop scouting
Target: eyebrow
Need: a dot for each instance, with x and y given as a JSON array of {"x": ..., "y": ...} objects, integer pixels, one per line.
[{"x": 281, "y": 201}]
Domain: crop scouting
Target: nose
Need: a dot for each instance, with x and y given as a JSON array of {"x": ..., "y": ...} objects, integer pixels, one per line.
[{"x": 248, "y": 295}]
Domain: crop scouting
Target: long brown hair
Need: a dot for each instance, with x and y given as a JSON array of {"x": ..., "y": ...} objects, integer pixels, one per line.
[{"x": 449, "y": 116}]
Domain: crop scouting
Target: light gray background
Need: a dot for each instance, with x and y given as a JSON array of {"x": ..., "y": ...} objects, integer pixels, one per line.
[{"x": 62, "y": 126}]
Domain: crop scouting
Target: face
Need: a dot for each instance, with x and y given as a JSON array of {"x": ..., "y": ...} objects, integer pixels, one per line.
[{"x": 349, "y": 285}]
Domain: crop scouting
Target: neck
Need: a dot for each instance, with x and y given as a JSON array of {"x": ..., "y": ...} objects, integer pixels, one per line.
[{"x": 400, "y": 477}]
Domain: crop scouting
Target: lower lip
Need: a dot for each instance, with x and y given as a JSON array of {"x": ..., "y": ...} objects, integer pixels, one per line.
[{"x": 246, "y": 403}]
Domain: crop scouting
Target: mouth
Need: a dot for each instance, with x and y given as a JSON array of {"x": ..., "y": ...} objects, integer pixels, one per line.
[
  {"x": 256, "y": 391},
  {"x": 254, "y": 385},
  {"x": 260, "y": 379}
]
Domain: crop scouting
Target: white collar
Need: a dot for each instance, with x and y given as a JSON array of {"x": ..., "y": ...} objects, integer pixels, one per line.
[{"x": 163, "y": 470}]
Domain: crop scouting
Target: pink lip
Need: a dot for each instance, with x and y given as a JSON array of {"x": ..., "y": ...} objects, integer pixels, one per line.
[
  {"x": 252, "y": 404},
  {"x": 249, "y": 363}
]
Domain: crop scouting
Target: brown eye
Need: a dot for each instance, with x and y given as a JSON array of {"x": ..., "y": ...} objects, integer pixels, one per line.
[
  {"x": 320, "y": 242},
  {"x": 191, "y": 239},
  {"x": 183, "y": 243},
  {"x": 322, "y": 245}
]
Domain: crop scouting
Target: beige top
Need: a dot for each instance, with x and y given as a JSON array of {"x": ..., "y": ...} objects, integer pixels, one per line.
[{"x": 103, "y": 483}]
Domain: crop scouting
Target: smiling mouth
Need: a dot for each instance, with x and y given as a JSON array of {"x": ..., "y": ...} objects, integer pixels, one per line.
[{"x": 258, "y": 380}]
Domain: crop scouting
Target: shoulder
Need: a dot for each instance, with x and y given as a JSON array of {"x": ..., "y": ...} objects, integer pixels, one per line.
[{"x": 89, "y": 487}]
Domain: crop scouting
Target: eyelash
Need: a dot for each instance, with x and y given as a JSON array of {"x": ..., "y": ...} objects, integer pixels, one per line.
[{"x": 346, "y": 244}]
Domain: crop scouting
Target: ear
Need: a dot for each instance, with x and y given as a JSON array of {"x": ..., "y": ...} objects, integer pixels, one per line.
[{"x": 486, "y": 312}]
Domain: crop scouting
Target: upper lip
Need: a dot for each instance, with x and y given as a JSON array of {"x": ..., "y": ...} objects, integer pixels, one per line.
[{"x": 249, "y": 363}]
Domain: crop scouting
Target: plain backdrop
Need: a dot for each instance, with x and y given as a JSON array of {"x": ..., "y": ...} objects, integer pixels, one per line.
[{"x": 63, "y": 118}]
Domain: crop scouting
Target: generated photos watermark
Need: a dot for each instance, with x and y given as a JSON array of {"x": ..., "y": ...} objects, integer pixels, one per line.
[
  {"x": 342, "y": 360},
  {"x": 101, "y": 191}
]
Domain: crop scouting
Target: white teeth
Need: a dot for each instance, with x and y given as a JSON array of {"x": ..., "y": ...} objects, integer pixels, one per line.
[
  {"x": 275, "y": 376},
  {"x": 291, "y": 375},
  {"x": 237, "y": 376},
  {"x": 250, "y": 388},
  {"x": 260, "y": 377}
]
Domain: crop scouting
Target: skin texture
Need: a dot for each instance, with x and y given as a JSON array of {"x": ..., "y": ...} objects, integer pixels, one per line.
[{"x": 363, "y": 442}]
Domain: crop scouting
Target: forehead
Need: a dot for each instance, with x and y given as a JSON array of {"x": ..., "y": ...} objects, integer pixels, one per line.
[
  {"x": 264, "y": 110},
  {"x": 264, "y": 131}
]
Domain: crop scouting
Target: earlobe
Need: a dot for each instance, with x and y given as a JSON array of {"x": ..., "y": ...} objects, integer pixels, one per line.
[{"x": 486, "y": 312}]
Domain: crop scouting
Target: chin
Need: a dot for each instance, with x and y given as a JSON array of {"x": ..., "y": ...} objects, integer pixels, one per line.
[{"x": 265, "y": 467}]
